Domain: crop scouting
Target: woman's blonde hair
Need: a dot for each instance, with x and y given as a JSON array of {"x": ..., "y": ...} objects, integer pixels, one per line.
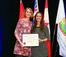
[{"x": 31, "y": 12}]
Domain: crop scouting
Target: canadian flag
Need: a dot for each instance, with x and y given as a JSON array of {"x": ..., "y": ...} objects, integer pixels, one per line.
[
  {"x": 46, "y": 22},
  {"x": 46, "y": 16},
  {"x": 21, "y": 12}
]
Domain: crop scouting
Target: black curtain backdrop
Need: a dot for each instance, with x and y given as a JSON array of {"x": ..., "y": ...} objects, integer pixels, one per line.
[{"x": 11, "y": 20}]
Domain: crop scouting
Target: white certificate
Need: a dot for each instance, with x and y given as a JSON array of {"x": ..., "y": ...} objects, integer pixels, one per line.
[{"x": 30, "y": 39}]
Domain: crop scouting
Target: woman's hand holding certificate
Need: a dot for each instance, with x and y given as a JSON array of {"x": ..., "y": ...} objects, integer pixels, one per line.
[{"x": 30, "y": 39}]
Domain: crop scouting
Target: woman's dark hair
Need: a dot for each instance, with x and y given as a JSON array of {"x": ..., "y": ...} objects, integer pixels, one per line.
[{"x": 35, "y": 23}]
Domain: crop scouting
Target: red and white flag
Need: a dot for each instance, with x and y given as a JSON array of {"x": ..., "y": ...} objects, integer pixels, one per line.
[
  {"x": 21, "y": 12},
  {"x": 46, "y": 22},
  {"x": 46, "y": 15}
]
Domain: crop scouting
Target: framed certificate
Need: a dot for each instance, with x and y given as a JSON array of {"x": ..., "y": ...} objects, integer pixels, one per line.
[{"x": 30, "y": 39}]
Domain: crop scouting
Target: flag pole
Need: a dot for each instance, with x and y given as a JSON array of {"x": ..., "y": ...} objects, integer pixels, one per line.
[
  {"x": 53, "y": 36},
  {"x": 56, "y": 50},
  {"x": 53, "y": 41}
]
